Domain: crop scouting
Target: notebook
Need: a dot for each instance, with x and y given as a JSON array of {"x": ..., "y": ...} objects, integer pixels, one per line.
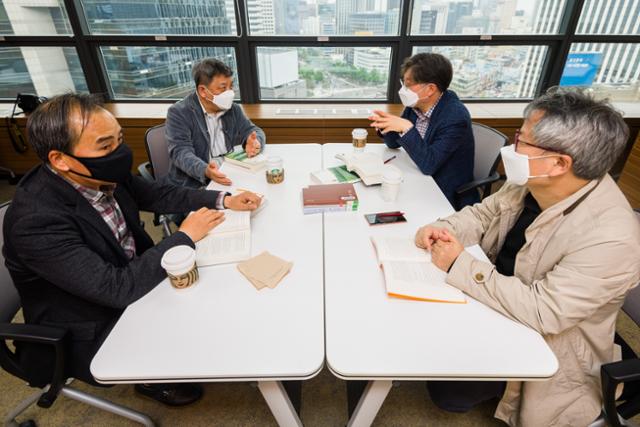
[{"x": 410, "y": 274}]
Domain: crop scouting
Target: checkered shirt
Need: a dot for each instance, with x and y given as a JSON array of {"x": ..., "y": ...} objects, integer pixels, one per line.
[{"x": 422, "y": 122}]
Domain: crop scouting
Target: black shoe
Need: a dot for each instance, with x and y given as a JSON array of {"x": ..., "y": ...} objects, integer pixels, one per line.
[{"x": 178, "y": 394}]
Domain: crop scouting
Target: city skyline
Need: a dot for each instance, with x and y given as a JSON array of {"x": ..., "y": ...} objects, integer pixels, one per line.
[{"x": 319, "y": 72}]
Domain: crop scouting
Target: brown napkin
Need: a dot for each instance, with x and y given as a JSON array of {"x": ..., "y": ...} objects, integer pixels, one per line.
[{"x": 265, "y": 270}]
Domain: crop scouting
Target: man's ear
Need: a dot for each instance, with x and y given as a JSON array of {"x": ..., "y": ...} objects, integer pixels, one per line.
[
  {"x": 58, "y": 160},
  {"x": 563, "y": 165}
]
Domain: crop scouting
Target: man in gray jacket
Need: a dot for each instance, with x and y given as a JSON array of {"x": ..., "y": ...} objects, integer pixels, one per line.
[
  {"x": 564, "y": 246},
  {"x": 206, "y": 125}
]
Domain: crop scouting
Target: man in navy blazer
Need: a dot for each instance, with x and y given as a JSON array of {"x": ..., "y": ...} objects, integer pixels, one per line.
[
  {"x": 434, "y": 128},
  {"x": 73, "y": 241}
]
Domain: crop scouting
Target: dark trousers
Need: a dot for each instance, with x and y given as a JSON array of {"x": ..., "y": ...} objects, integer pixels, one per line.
[{"x": 451, "y": 396}]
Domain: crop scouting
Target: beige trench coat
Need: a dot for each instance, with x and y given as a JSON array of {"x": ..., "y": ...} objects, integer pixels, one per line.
[{"x": 580, "y": 258}]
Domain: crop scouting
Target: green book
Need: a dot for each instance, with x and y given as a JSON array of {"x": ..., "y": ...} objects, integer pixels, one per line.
[{"x": 335, "y": 175}]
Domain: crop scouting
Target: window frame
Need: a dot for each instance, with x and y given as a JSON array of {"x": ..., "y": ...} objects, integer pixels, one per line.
[{"x": 88, "y": 49}]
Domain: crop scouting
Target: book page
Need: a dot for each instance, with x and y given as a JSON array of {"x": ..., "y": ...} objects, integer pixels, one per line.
[
  {"x": 223, "y": 248},
  {"x": 419, "y": 281},
  {"x": 399, "y": 249},
  {"x": 233, "y": 221}
]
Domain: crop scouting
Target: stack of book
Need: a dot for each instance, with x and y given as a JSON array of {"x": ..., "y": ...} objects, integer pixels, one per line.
[
  {"x": 334, "y": 175},
  {"x": 240, "y": 158},
  {"x": 328, "y": 198}
]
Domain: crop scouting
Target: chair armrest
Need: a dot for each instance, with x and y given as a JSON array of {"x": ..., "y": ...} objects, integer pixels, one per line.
[
  {"x": 38, "y": 334},
  {"x": 143, "y": 170},
  {"x": 478, "y": 183},
  {"x": 612, "y": 374}
]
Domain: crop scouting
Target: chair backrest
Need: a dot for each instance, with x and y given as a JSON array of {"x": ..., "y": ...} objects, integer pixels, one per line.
[
  {"x": 157, "y": 150},
  {"x": 632, "y": 300},
  {"x": 9, "y": 299},
  {"x": 487, "y": 149}
]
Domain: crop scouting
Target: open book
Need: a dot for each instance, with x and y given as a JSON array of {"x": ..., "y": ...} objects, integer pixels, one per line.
[
  {"x": 368, "y": 166},
  {"x": 410, "y": 274},
  {"x": 228, "y": 242},
  {"x": 334, "y": 175}
]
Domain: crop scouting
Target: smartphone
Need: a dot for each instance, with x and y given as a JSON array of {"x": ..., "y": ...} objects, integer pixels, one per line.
[{"x": 385, "y": 218}]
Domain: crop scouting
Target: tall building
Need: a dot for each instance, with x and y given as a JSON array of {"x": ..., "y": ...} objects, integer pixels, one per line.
[
  {"x": 621, "y": 62},
  {"x": 428, "y": 22},
  {"x": 261, "y": 17}
]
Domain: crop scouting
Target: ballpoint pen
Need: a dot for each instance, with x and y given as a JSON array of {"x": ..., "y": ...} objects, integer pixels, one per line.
[{"x": 389, "y": 159}]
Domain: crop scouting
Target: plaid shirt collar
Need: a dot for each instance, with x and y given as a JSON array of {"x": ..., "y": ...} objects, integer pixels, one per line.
[
  {"x": 427, "y": 115},
  {"x": 93, "y": 196}
]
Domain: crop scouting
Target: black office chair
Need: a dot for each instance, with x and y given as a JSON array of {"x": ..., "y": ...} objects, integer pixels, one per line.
[
  {"x": 488, "y": 143},
  {"x": 157, "y": 167},
  {"x": 627, "y": 371},
  {"x": 55, "y": 337}
]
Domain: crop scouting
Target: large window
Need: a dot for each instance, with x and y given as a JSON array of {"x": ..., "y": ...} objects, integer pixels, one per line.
[
  {"x": 486, "y": 17},
  {"x": 33, "y": 17},
  {"x": 323, "y": 72},
  {"x": 203, "y": 17},
  {"x": 158, "y": 72},
  {"x": 324, "y": 17},
  {"x": 46, "y": 71},
  {"x": 318, "y": 50},
  {"x": 494, "y": 72}
]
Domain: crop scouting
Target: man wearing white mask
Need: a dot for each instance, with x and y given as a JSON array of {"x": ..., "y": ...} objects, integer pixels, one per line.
[
  {"x": 434, "y": 128},
  {"x": 564, "y": 246},
  {"x": 206, "y": 125}
]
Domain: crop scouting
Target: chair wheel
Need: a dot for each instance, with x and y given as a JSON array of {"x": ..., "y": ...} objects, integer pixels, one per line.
[{"x": 28, "y": 423}]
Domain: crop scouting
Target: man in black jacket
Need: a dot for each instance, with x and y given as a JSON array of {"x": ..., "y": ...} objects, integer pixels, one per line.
[{"x": 74, "y": 245}]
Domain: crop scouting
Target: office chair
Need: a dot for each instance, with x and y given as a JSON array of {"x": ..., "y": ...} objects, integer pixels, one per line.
[
  {"x": 616, "y": 412},
  {"x": 488, "y": 143},
  {"x": 157, "y": 167},
  {"x": 55, "y": 337}
]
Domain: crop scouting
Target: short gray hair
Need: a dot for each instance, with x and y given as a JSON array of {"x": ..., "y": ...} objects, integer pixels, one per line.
[{"x": 592, "y": 132}]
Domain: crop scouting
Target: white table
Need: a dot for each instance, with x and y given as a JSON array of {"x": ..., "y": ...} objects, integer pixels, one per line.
[
  {"x": 223, "y": 329},
  {"x": 370, "y": 336}
]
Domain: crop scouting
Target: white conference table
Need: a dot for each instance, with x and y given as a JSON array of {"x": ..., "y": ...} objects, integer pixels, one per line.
[
  {"x": 222, "y": 328},
  {"x": 370, "y": 336}
]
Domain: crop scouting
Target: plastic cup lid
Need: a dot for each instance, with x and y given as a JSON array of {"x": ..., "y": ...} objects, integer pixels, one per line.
[
  {"x": 392, "y": 176},
  {"x": 178, "y": 258},
  {"x": 359, "y": 133}
]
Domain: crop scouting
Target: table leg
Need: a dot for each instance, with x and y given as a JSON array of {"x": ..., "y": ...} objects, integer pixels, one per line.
[
  {"x": 279, "y": 403},
  {"x": 370, "y": 403}
]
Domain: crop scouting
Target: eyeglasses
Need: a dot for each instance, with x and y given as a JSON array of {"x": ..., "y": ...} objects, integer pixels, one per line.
[{"x": 519, "y": 143}]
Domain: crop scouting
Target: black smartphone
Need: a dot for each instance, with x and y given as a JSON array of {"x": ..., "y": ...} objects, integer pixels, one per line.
[{"x": 385, "y": 218}]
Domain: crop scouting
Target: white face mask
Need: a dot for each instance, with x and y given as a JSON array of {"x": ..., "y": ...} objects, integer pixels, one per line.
[
  {"x": 408, "y": 97},
  {"x": 223, "y": 100},
  {"x": 516, "y": 165}
]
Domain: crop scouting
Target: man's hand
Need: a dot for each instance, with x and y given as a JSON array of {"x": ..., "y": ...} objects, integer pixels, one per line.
[
  {"x": 252, "y": 147},
  {"x": 445, "y": 252},
  {"x": 213, "y": 173},
  {"x": 246, "y": 201},
  {"x": 199, "y": 223},
  {"x": 386, "y": 122},
  {"x": 426, "y": 236}
]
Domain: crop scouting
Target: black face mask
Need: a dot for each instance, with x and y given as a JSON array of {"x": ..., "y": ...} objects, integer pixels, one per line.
[{"x": 114, "y": 167}]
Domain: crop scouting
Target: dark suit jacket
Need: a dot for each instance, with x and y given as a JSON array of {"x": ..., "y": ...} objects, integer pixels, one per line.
[
  {"x": 447, "y": 150},
  {"x": 189, "y": 141},
  {"x": 70, "y": 270}
]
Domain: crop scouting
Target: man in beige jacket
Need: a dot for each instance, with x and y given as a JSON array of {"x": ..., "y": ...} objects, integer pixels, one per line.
[{"x": 565, "y": 250}]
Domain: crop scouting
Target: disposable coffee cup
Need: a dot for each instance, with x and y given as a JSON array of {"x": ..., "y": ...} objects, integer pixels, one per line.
[
  {"x": 275, "y": 170},
  {"x": 359, "y": 136},
  {"x": 180, "y": 264},
  {"x": 391, "y": 180}
]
